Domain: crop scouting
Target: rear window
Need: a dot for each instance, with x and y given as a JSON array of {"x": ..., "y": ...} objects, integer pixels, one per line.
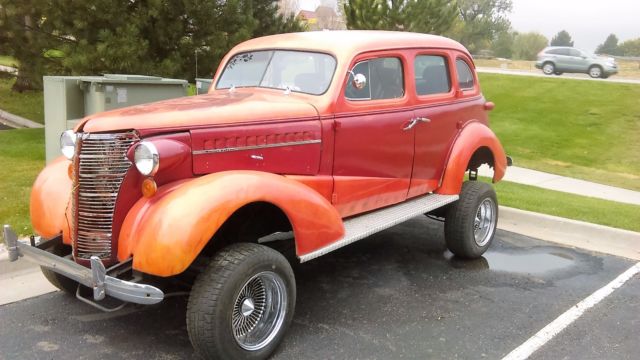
[
  {"x": 465, "y": 76},
  {"x": 558, "y": 51},
  {"x": 432, "y": 75}
]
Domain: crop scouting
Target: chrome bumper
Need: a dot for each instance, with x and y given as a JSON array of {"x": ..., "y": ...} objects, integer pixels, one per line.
[{"x": 95, "y": 278}]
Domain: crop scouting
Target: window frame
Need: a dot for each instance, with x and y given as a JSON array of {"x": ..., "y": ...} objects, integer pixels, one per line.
[
  {"x": 223, "y": 68},
  {"x": 473, "y": 76},
  {"x": 447, "y": 57},
  {"x": 403, "y": 71}
]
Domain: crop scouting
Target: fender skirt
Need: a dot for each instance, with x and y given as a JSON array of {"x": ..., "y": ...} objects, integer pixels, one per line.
[
  {"x": 50, "y": 196},
  {"x": 165, "y": 233},
  {"x": 472, "y": 137}
]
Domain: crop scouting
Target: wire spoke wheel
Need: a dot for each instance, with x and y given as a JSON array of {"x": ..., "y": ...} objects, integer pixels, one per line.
[{"x": 259, "y": 311}]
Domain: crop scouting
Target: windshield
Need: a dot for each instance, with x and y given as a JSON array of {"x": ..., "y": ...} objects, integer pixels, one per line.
[{"x": 300, "y": 71}]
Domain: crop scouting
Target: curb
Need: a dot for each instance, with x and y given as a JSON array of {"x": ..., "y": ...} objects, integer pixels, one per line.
[
  {"x": 19, "y": 120},
  {"x": 573, "y": 233}
]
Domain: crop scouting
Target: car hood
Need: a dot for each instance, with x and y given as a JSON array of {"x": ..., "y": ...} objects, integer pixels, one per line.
[{"x": 218, "y": 108}]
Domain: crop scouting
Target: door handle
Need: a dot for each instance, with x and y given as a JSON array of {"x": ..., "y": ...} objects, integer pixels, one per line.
[{"x": 413, "y": 122}]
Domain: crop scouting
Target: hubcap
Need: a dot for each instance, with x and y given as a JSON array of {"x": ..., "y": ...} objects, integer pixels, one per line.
[
  {"x": 484, "y": 223},
  {"x": 548, "y": 69},
  {"x": 259, "y": 311},
  {"x": 595, "y": 72}
]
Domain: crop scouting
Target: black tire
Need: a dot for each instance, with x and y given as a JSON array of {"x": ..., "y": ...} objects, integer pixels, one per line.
[
  {"x": 461, "y": 220},
  {"x": 558, "y": 73},
  {"x": 548, "y": 68},
  {"x": 61, "y": 282},
  {"x": 216, "y": 293},
  {"x": 595, "y": 71}
]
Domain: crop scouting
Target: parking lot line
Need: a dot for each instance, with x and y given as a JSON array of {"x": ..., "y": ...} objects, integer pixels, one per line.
[{"x": 561, "y": 322}]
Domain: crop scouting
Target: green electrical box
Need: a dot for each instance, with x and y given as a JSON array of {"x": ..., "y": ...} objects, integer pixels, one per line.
[
  {"x": 67, "y": 99},
  {"x": 203, "y": 85}
]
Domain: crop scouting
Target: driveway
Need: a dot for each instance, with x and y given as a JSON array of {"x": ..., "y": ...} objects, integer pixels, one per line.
[
  {"x": 538, "y": 73},
  {"x": 398, "y": 294}
]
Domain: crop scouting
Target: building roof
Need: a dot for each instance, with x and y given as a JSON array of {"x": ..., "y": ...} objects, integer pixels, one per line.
[
  {"x": 306, "y": 14},
  {"x": 347, "y": 43}
]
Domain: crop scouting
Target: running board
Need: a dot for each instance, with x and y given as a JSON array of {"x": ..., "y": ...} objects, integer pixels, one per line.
[{"x": 362, "y": 226}]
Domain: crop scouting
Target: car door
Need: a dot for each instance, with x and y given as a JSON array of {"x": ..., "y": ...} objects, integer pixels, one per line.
[
  {"x": 580, "y": 62},
  {"x": 562, "y": 59},
  {"x": 436, "y": 118},
  {"x": 373, "y": 151}
]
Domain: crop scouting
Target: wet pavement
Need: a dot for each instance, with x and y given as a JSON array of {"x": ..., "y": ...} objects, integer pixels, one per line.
[{"x": 398, "y": 294}]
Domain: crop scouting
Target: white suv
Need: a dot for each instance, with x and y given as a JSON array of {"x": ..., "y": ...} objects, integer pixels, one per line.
[{"x": 561, "y": 59}]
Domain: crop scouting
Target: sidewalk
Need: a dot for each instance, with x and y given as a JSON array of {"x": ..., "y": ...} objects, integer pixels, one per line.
[{"x": 565, "y": 184}]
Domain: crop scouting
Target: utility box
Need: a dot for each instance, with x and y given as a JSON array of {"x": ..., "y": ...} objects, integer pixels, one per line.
[
  {"x": 203, "y": 85},
  {"x": 68, "y": 99}
]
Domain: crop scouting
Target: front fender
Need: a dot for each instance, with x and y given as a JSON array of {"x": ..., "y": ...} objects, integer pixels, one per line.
[
  {"x": 165, "y": 233},
  {"x": 50, "y": 196},
  {"x": 472, "y": 137}
]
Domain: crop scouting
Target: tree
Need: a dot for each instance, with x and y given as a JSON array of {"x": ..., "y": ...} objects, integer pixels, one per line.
[
  {"x": 610, "y": 46},
  {"x": 562, "y": 38},
  {"x": 630, "y": 47},
  {"x": 526, "y": 46},
  {"x": 143, "y": 37},
  {"x": 426, "y": 16},
  {"x": 502, "y": 46},
  {"x": 480, "y": 21}
]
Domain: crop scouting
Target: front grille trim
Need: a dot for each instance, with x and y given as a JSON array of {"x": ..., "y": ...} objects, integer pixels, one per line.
[{"x": 100, "y": 165}]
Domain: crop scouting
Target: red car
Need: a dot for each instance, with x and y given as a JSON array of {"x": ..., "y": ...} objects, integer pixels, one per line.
[{"x": 314, "y": 139}]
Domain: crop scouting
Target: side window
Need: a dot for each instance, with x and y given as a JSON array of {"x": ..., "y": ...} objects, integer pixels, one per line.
[
  {"x": 574, "y": 52},
  {"x": 385, "y": 80},
  {"x": 465, "y": 76},
  {"x": 555, "y": 52},
  {"x": 431, "y": 75}
]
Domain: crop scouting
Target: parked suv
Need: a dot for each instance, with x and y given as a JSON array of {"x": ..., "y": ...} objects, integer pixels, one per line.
[
  {"x": 307, "y": 141},
  {"x": 560, "y": 59}
]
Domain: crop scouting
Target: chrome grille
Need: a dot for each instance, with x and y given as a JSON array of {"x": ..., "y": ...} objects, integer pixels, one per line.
[{"x": 101, "y": 165}]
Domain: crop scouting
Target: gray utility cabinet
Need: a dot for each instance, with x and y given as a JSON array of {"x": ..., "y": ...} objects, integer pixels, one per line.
[
  {"x": 68, "y": 99},
  {"x": 203, "y": 85}
]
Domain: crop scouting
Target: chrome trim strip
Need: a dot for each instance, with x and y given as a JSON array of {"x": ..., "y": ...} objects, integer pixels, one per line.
[{"x": 253, "y": 147}]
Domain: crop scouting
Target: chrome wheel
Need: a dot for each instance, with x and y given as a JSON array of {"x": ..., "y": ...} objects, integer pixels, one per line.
[
  {"x": 548, "y": 68},
  {"x": 259, "y": 311},
  {"x": 484, "y": 223},
  {"x": 595, "y": 72}
]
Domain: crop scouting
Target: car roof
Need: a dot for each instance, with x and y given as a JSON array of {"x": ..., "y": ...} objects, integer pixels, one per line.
[{"x": 347, "y": 43}]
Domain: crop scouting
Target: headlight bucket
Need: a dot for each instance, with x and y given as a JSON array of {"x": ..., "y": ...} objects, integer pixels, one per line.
[
  {"x": 68, "y": 144},
  {"x": 146, "y": 158}
]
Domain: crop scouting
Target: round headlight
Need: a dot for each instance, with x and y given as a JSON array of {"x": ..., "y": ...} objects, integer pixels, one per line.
[
  {"x": 68, "y": 144},
  {"x": 146, "y": 158}
]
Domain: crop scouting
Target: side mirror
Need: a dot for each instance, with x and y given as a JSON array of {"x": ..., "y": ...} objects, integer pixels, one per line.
[{"x": 359, "y": 81}]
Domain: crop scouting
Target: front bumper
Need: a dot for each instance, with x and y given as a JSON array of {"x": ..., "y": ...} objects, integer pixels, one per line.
[{"x": 95, "y": 278}]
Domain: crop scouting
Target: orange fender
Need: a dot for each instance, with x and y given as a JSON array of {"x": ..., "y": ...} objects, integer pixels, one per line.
[
  {"x": 472, "y": 137},
  {"x": 165, "y": 233},
  {"x": 50, "y": 196}
]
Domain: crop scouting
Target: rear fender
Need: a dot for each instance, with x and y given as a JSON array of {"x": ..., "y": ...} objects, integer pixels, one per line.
[
  {"x": 471, "y": 138},
  {"x": 165, "y": 233},
  {"x": 49, "y": 200}
]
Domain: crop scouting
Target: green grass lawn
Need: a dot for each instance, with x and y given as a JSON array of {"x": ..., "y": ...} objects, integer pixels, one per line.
[
  {"x": 8, "y": 61},
  {"x": 597, "y": 211},
  {"x": 583, "y": 129},
  {"x": 21, "y": 159},
  {"x": 29, "y": 104}
]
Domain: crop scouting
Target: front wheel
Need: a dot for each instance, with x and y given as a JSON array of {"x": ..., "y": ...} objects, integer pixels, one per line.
[
  {"x": 595, "y": 71},
  {"x": 60, "y": 281},
  {"x": 241, "y": 305},
  {"x": 470, "y": 222}
]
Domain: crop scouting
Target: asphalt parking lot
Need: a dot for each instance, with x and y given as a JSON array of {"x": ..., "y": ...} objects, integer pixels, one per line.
[{"x": 398, "y": 294}]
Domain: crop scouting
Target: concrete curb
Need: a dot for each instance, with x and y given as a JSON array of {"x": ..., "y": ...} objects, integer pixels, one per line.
[
  {"x": 573, "y": 233},
  {"x": 19, "y": 120}
]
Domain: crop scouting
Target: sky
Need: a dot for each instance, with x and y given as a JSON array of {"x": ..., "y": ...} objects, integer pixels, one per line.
[{"x": 588, "y": 21}]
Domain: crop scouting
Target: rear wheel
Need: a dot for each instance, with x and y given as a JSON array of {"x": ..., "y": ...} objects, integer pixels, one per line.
[
  {"x": 548, "y": 68},
  {"x": 470, "y": 223},
  {"x": 241, "y": 305},
  {"x": 61, "y": 282},
  {"x": 595, "y": 71}
]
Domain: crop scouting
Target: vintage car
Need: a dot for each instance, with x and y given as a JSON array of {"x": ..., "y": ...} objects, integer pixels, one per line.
[{"x": 306, "y": 141}]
